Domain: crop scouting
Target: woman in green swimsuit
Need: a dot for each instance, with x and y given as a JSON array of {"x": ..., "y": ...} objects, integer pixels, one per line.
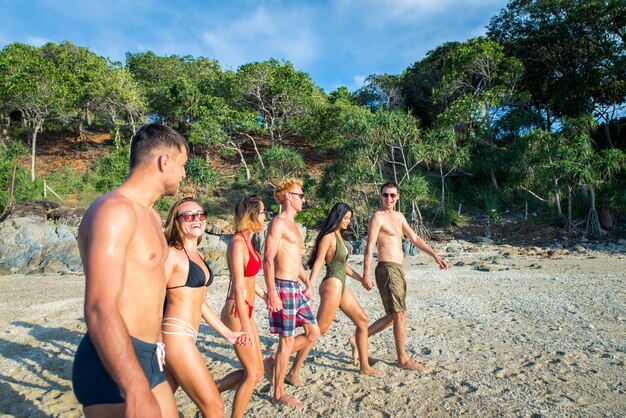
[{"x": 331, "y": 250}]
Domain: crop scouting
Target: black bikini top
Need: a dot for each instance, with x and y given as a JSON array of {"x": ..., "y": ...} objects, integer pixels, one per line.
[{"x": 196, "y": 276}]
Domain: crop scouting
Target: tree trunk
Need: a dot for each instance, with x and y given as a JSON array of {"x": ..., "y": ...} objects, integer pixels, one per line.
[
  {"x": 592, "y": 225},
  {"x": 494, "y": 180},
  {"x": 243, "y": 160},
  {"x": 87, "y": 115},
  {"x": 607, "y": 136},
  {"x": 36, "y": 128},
  {"x": 557, "y": 199},
  {"x": 256, "y": 150}
]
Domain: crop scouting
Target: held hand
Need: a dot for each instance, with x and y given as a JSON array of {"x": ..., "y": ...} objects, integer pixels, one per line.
[
  {"x": 308, "y": 292},
  {"x": 368, "y": 283},
  {"x": 275, "y": 304},
  {"x": 142, "y": 405},
  {"x": 442, "y": 264},
  {"x": 241, "y": 338}
]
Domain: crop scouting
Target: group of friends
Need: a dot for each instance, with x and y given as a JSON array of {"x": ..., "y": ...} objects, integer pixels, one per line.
[{"x": 146, "y": 288}]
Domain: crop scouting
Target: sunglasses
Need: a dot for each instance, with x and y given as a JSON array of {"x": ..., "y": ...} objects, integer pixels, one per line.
[
  {"x": 391, "y": 195},
  {"x": 263, "y": 212},
  {"x": 190, "y": 216},
  {"x": 300, "y": 195}
]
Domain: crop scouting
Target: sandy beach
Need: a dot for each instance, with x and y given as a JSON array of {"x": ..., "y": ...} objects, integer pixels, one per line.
[{"x": 506, "y": 332}]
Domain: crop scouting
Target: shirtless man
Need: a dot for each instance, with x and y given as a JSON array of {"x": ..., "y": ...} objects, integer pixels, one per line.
[
  {"x": 289, "y": 304},
  {"x": 118, "y": 365},
  {"x": 386, "y": 229}
]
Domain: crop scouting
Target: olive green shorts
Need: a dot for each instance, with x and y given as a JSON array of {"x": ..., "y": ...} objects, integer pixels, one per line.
[{"x": 391, "y": 285}]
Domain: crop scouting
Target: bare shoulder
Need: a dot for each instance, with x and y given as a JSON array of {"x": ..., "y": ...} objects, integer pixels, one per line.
[
  {"x": 399, "y": 216},
  {"x": 276, "y": 225},
  {"x": 377, "y": 217},
  {"x": 110, "y": 211}
]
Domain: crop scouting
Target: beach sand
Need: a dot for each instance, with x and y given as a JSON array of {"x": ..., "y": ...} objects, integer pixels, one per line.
[{"x": 535, "y": 335}]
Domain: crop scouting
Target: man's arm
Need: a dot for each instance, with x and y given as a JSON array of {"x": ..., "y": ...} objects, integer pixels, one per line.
[
  {"x": 373, "y": 228},
  {"x": 108, "y": 233},
  {"x": 421, "y": 244},
  {"x": 275, "y": 231}
]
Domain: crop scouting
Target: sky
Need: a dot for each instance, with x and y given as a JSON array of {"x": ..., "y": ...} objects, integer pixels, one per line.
[{"x": 337, "y": 42}]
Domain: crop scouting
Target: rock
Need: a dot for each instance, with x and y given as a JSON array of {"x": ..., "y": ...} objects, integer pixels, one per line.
[{"x": 484, "y": 240}]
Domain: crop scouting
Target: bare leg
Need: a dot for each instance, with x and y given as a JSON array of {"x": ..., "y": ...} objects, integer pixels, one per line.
[
  {"x": 252, "y": 360},
  {"x": 353, "y": 310},
  {"x": 188, "y": 367},
  {"x": 285, "y": 345},
  {"x": 330, "y": 296},
  {"x": 376, "y": 327},
  {"x": 399, "y": 334}
]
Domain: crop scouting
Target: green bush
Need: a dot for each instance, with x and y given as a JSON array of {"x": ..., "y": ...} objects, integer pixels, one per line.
[
  {"x": 200, "y": 174},
  {"x": 111, "y": 171},
  {"x": 280, "y": 163}
]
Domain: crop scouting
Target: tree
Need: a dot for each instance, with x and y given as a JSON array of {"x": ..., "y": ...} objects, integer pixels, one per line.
[
  {"x": 176, "y": 87},
  {"x": 277, "y": 92},
  {"x": 227, "y": 128},
  {"x": 479, "y": 83},
  {"x": 573, "y": 54},
  {"x": 381, "y": 91},
  {"x": 419, "y": 80},
  {"x": 121, "y": 102},
  {"x": 30, "y": 84},
  {"x": 84, "y": 76}
]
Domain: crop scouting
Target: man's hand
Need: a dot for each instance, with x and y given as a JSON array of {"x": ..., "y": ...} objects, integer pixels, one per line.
[
  {"x": 442, "y": 264},
  {"x": 143, "y": 404},
  {"x": 368, "y": 283},
  {"x": 308, "y": 292},
  {"x": 241, "y": 338},
  {"x": 274, "y": 303}
]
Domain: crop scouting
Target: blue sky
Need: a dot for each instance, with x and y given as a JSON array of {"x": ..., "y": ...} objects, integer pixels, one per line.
[{"x": 338, "y": 43}]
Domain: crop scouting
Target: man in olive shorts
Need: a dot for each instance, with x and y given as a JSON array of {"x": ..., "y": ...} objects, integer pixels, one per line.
[{"x": 386, "y": 229}]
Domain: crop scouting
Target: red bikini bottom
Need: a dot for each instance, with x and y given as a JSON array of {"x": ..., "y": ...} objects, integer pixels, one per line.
[{"x": 250, "y": 308}]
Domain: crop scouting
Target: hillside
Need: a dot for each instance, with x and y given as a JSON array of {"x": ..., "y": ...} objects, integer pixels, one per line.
[{"x": 67, "y": 149}]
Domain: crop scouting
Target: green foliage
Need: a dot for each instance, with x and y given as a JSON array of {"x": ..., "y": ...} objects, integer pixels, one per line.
[
  {"x": 281, "y": 163},
  {"x": 24, "y": 188},
  {"x": 67, "y": 182},
  {"x": 200, "y": 174},
  {"x": 112, "y": 170}
]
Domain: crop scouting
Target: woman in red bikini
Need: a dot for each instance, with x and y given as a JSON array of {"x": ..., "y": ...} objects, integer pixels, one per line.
[
  {"x": 244, "y": 262},
  {"x": 188, "y": 278}
]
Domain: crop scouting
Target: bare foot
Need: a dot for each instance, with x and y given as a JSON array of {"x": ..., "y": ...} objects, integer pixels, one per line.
[
  {"x": 268, "y": 369},
  {"x": 355, "y": 352},
  {"x": 372, "y": 371},
  {"x": 293, "y": 380},
  {"x": 289, "y": 401},
  {"x": 413, "y": 365}
]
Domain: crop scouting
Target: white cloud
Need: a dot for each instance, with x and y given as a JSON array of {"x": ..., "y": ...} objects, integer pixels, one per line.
[
  {"x": 359, "y": 81},
  {"x": 285, "y": 33},
  {"x": 36, "y": 41}
]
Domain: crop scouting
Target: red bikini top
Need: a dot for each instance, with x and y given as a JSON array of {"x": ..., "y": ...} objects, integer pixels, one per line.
[{"x": 254, "y": 263}]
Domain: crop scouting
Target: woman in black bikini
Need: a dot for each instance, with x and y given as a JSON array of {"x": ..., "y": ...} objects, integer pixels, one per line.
[
  {"x": 188, "y": 277},
  {"x": 244, "y": 262},
  {"x": 330, "y": 249}
]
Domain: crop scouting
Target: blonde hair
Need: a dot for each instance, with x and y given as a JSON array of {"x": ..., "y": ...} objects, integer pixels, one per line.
[
  {"x": 283, "y": 188},
  {"x": 247, "y": 213},
  {"x": 172, "y": 231}
]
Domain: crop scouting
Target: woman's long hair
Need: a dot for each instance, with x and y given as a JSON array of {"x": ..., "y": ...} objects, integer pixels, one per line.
[{"x": 331, "y": 224}]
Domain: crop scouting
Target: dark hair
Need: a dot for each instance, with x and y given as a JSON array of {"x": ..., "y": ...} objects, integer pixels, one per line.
[
  {"x": 153, "y": 137},
  {"x": 247, "y": 214},
  {"x": 331, "y": 224},
  {"x": 390, "y": 184},
  {"x": 173, "y": 234}
]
